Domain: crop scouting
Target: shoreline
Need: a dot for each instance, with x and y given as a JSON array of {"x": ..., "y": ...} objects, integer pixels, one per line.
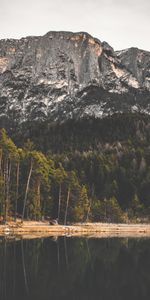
[{"x": 35, "y": 229}]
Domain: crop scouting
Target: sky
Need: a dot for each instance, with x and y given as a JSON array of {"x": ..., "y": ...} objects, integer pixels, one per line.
[{"x": 122, "y": 23}]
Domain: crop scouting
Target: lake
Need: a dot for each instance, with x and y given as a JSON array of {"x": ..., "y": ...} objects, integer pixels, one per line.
[{"x": 69, "y": 268}]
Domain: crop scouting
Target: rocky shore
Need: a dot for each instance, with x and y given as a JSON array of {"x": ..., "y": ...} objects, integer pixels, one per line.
[{"x": 41, "y": 229}]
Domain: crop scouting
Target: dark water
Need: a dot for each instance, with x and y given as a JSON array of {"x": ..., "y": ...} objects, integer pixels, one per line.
[{"x": 74, "y": 269}]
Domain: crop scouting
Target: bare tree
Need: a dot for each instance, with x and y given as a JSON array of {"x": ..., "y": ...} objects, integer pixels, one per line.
[
  {"x": 67, "y": 203},
  {"x": 27, "y": 189},
  {"x": 17, "y": 188}
]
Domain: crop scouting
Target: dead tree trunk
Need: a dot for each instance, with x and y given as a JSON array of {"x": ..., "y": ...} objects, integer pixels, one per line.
[
  {"x": 67, "y": 203},
  {"x": 90, "y": 203},
  {"x": 7, "y": 184},
  {"x": 17, "y": 189},
  {"x": 27, "y": 189},
  {"x": 59, "y": 202},
  {"x": 38, "y": 199},
  {"x": 88, "y": 211}
]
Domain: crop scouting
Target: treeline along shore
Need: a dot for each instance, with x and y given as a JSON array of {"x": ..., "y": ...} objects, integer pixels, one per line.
[{"x": 80, "y": 171}]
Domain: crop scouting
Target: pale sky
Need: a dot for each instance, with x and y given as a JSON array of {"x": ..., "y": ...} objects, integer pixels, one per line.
[{"x": 122, "y": 23}]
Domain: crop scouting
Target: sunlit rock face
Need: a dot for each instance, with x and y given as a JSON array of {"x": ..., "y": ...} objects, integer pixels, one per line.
[{"x": 65, "y": 75}]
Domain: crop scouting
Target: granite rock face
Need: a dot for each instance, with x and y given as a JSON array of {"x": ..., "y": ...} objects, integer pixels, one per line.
[{"x": 65, "y": 75}]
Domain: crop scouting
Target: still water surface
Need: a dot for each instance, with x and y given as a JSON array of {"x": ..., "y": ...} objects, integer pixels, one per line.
[{"x": 75, "y": 269}]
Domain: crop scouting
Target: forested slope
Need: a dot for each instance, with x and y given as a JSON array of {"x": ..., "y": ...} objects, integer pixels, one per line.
[{"x": 90, "y": 169}]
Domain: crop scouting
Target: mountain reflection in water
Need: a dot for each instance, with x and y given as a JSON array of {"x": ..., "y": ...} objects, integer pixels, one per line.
[{"x": 75, "y": 269}]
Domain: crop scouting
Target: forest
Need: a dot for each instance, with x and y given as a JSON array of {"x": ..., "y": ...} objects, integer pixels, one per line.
[{"x": 81, "y": 170}]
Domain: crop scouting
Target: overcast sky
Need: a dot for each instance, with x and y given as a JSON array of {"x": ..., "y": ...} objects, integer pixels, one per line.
[{"x": 122, "y": 23}]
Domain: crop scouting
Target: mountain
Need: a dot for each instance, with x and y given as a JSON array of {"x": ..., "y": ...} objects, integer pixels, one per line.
[
  {"x": 64, "y": 75},
  {"x": 67, "y": 102}
]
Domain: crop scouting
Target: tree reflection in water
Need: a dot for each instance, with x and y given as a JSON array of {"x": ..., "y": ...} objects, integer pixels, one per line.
[{"x": 75, "y": 268}]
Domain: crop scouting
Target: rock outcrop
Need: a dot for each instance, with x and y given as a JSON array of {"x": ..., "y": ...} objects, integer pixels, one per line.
[{"x": 63, "y": 75}]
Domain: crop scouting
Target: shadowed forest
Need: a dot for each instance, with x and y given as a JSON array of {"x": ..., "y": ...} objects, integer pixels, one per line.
[{"x": 80, "y": 170}]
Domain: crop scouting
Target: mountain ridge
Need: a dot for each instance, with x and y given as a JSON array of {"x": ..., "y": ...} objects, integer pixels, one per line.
[{"x": 64, "y": 75}]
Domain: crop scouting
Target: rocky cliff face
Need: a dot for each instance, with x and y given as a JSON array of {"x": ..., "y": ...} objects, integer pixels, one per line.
[{"x": 63, "y": 75}]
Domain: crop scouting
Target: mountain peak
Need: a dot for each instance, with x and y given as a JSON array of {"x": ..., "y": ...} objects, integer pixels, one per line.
[{"x": 65, "y": 75}]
